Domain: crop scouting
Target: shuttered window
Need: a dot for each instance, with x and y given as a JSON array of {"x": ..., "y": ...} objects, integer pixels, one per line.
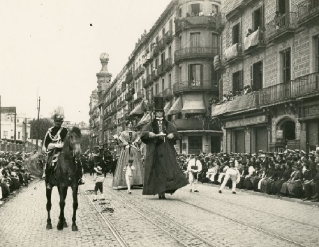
[
  {"x": 237, "y": 81},
  {"x": 195, "y": 39},
  {"x": 286, "y": 66}
]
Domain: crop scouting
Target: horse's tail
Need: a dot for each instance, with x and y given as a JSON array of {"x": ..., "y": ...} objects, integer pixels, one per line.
[{"x": 34, "y": 166}]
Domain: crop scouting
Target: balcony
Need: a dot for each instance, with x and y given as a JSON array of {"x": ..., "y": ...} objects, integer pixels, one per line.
[
  {"x": 123, "y": 86},
  {"x": 147, "y": 59},
  {"x": 191, "y": 22},
  {"x": 220, "y": 22},
  {"x": 154, "y": 75},
  {"x": 168, "y": 94},
  {"x": 218, "y": 63},
  {"x": 305, "y": 85},
  {"x": 156, "y": 50},
  {"x": 254, "y": 42},
  {"x": 195, "y": 52},
  {"x": 192, "y": 124},
  {"x": 129, "y": 77},
  {"x": 168, "y": 64},
  {"x": 281, "y": 26},
  {"x": 188, "y": 86},
  {"x": 168, "y": 38},
  {"x": 160, "y": 70},
  {"x": 234, "y": 53},
  {"x": 161, "y": 44},
  {"x": 128, "y": 96},
  {"x": 308, "y": 12},
  {"x": 147, "y": 81},
  {"x": 274, "y": 94},
  {"x": 139, "y": 95}
]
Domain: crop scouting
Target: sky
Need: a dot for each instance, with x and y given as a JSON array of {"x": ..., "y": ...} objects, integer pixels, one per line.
[{"x": 50, "y": 49}]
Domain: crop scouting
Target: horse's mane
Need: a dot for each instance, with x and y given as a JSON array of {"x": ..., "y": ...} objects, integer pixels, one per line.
[{"x": 76, "y": 130}]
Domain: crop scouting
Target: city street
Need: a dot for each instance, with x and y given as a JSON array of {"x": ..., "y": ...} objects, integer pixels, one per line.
[{"x": 206, "y": 218}]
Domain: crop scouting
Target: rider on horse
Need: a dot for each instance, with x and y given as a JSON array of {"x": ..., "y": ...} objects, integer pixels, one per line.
[{"x": 53, "y": 144}]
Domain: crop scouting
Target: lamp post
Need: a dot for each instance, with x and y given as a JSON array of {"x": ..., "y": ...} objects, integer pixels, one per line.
[{"x": 38, "y": 107}]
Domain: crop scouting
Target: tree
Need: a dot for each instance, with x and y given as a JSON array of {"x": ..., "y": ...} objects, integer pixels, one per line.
[{"x": 43, "y": 124}]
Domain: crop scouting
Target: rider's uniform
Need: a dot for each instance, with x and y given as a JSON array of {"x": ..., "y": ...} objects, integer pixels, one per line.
[{"x": 53, "y": 139}]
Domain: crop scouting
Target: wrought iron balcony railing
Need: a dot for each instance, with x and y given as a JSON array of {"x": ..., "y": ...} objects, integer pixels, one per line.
[
  {"x": 281, "y": 26},
  {"x": 186, "y": 86},
  {"x": 195, "y": 52},
  {"x": 308, "y": 11}
]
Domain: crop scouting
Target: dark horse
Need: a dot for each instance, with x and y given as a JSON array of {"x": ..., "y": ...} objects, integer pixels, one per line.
[{"x": 65, "y": 175}]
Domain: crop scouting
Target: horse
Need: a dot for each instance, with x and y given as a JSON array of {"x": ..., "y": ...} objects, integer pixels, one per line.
[{"x": 64, "y": 176}]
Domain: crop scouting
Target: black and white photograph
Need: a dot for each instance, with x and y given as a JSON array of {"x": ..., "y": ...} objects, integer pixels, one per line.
[{"x": 165, "y": 123}]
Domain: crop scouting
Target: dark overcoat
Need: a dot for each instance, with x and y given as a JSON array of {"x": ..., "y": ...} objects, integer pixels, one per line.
[{"x": 162, "y": 173}]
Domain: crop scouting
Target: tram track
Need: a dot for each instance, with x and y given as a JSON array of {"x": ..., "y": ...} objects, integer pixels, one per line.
[
  {"x": 263, "y": 231},
  {"x": 257, "y": 210}
]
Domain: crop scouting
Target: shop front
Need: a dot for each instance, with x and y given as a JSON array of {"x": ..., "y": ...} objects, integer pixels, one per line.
[{"x": 246, "y": 135}]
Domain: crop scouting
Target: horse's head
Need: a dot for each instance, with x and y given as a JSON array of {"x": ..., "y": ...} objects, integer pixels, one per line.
[{"x": 74, "y": 136}]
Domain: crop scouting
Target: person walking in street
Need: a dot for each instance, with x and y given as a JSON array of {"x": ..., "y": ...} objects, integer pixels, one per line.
[
  {"x": 162, "y": 173},
  {"x": 99, "y": 179},
  {"x": 233, "y": 174},
  {"x": 129, "y": 175},
  {"x": 194, "y": 167}
]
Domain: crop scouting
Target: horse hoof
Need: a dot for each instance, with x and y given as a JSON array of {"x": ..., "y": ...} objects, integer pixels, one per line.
[
  {"x": 65, "y": 224},
  {"x": 60, "y": 226},
  {"x": 74, "y": 228},
  {"x": 49, "y": 226}
]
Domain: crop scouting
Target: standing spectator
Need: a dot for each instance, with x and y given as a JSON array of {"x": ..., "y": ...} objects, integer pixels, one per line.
[
  {"x": 99, "y": 179},
  {"x": 128, "y": 169}
]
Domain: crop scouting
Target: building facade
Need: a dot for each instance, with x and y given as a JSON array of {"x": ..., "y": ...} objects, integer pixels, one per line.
[
  {"x": 269, "y": 82},
  {"x": 174, "y": 60}
]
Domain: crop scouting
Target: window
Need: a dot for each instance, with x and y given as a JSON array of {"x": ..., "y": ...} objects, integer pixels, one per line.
[
  {"x": 236, "y": 37},
  {"x": 214, "y": 77},
  {"x": 163, "y": 85},
  {"x": 180, "y": 12},
  {"x": 195, "y": 144},
  {"x": 237, "y": 82},
  {"x": 169, "y": 81},
  {"x": 18, "y": 135},
  {"x": 257, "y": 19},
  {"x": 5, "y": 134},
  {"x": 195, "y": 9},
  {"x": 215, "y": 41},
  {"x": 169, "y": 52},
  {"x": 316, "y": 54},
  {"x": 286, "y": 66},
  {"x": 215, "y": 9},
  {"x": 156, "y": 88},
  {"x": 283, "y": 6},
  {"x": 256, "y": 76},
  {"x": 163, "y": 58},
  {"x": 194, "y": 42},
  {"x": 195, "y": 74}
]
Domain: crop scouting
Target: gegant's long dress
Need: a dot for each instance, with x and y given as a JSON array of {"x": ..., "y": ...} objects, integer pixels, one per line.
[{"x": 128, "y": 152}]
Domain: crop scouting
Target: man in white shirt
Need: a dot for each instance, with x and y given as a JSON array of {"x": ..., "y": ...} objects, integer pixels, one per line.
[{"x": 193, "y": 168}]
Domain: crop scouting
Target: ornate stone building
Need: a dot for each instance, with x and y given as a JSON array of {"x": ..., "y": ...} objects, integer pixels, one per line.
[{"x": 269, "y": 75}]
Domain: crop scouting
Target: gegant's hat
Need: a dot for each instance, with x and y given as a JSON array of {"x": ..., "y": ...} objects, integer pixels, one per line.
[{"x": 158, "y": 104}]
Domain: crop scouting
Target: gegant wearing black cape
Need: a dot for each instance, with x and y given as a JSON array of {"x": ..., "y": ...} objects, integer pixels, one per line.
[{"x": 162, "y": 173}]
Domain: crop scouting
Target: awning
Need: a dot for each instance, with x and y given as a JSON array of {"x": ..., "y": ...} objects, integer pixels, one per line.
[
  {"x": 193, "y": 103},
  {"x": 176, "y": 108},
  {"x": 167, "y": 107},
  {"x": 138, "y": 110},
  {"x": 145, "y": 119}
]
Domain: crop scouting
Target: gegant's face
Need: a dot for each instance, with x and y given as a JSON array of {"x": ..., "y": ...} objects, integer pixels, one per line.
[{"x": 158, "y": 114}]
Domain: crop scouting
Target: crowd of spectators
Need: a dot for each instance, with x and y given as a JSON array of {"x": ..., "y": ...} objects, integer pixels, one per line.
[
  {"x": 14, "y": 172},
  {"x": 291, "y": 173}
]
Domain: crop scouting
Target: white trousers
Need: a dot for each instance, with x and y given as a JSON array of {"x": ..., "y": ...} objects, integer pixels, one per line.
[
  {"x": 192, "y": 180},
  {"x": 225, "y": 182}
]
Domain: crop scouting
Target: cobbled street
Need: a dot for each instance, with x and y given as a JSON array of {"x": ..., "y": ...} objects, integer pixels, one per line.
[{"x": 184, "y": 219}]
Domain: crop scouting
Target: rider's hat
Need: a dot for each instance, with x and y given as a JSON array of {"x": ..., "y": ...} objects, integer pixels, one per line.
[{"x": 58, "y": 113}]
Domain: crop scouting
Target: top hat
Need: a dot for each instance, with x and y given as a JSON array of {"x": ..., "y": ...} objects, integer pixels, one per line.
[{"x": 158, "y": 104}]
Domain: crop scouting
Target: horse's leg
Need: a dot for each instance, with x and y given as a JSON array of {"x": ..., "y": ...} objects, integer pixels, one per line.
[
  {"x": 75, "y": 207},
  {"x": 49, "y": 205},
  {"x": 64, "y": 220},
  {"x": 62, "y": 192}
]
